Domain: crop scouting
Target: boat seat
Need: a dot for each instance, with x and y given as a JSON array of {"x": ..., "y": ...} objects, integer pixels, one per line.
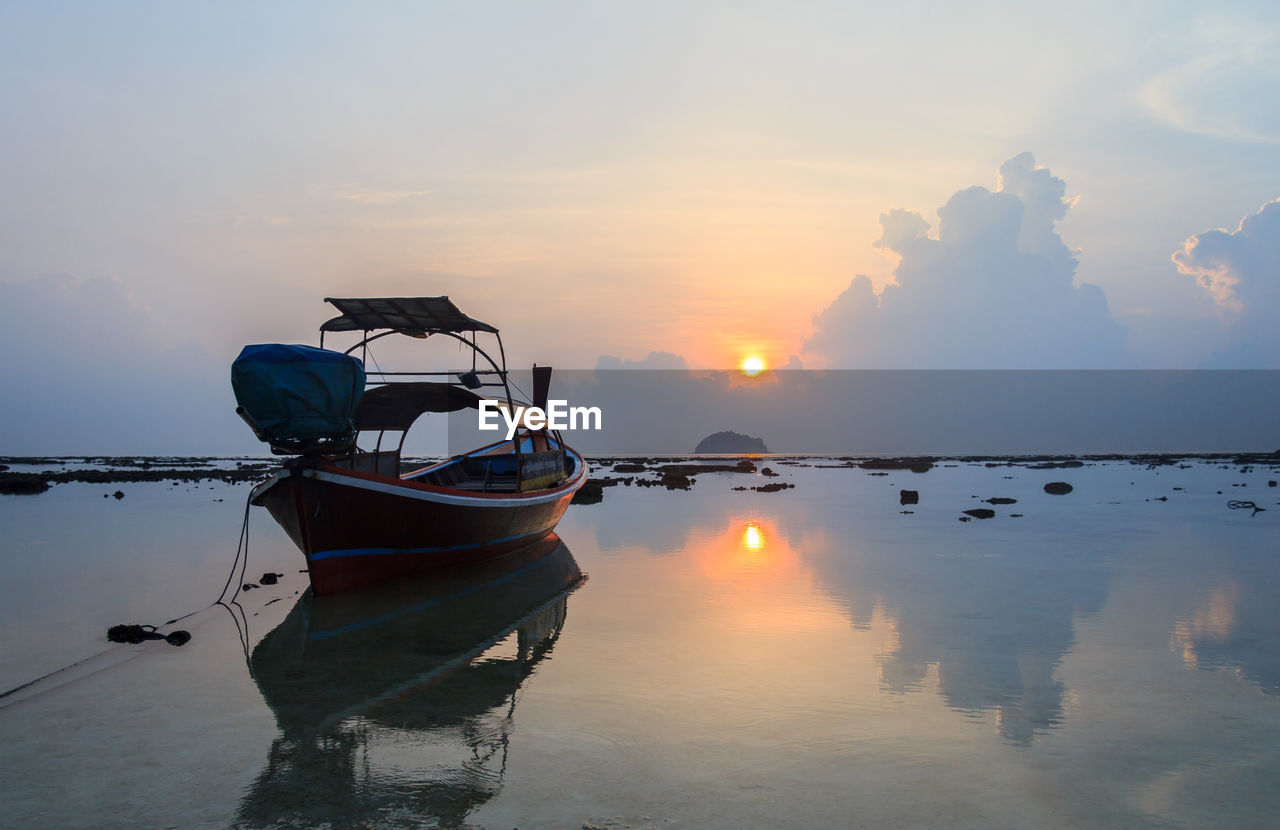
[
  {"x": 475, "y": 475},
  {"x": 447, "y": 476}
]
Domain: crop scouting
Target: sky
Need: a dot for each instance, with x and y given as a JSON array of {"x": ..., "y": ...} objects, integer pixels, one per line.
[{"x": 827, "y": 185}]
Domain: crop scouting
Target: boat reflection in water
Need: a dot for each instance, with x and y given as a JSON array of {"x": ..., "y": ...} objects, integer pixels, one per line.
[{"x": 397, "y": 703}]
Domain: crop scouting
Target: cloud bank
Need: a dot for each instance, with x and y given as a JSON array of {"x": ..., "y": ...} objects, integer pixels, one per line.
[
  {"x": 1240, "y": 271},
  {"x": 88, "y": 369},
  {"x": 993, "y": 289},
  {"x": 653, "y": 361}
]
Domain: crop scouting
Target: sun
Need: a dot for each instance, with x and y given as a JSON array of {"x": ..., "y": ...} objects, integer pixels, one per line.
[{"x": 752, "y": 365}]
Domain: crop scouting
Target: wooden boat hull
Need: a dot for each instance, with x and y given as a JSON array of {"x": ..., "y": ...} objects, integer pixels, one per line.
[{"x": 358, "y": 529}]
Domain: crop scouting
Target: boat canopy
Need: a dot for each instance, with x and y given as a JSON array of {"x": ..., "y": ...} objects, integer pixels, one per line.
[
  {"x": 298, "y": 398},
  {"x": 395, "y": 406},
  {"x": 414, "y": 316}
]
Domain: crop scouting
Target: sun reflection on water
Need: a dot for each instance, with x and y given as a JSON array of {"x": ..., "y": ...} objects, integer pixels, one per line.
[{"x": 752, "y": 547}]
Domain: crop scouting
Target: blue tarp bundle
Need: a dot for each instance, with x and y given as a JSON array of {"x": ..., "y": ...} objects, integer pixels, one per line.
[{"x": 298, "y": 394}]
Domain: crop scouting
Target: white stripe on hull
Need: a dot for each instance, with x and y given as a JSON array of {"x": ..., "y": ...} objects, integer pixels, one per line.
[{"x": 390, "y": 488}]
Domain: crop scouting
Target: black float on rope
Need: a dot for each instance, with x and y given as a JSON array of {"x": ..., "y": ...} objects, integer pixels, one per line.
[{"x": 125, "y": 633}]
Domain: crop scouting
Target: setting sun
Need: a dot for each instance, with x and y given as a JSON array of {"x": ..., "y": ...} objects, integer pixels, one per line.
[{"x": 752, "y": 365}]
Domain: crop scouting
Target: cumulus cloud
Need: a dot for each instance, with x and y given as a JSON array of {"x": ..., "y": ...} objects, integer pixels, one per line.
[
  {"x": 1240, "y": 271},
  {"x": 993, "y": 288}
]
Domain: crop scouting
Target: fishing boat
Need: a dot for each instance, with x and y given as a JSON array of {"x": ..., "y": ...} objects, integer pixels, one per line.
[{"x": 342, "y": 496}]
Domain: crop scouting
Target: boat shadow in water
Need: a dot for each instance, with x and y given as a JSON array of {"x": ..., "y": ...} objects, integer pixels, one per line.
[{"x": 397, "y": 703}]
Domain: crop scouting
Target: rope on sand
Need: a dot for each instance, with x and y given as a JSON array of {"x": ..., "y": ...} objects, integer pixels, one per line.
[{"x": 130, "y": 633}]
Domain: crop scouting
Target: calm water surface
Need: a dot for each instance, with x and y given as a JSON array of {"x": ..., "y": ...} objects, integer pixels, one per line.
[{"x": 694, "y": 659}]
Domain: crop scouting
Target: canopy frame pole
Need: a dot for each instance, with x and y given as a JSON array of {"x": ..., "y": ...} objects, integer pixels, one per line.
[
  {"x": 499, "y": 366},
  {"x": 500, "y": 370},
  {"x": 503, "y": 354},
  {"x": 506, "y": 385}
]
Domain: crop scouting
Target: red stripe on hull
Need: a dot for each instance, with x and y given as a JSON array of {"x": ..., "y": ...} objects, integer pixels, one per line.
[{"x": 354, "y": 536}]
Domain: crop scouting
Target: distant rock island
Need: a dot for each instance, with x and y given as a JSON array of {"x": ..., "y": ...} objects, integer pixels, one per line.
[{"x": 731, "y": 442}]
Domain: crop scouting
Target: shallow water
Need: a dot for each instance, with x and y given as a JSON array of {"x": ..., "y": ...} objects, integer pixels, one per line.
[{"x": 732, "y": 659}]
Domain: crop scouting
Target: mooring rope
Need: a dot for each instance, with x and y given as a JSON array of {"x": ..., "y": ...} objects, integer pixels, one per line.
[
  {"x": 243, "y": 562},
  {"x": 138, "y": 633},
  {"x": 233, "y": 604}
]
